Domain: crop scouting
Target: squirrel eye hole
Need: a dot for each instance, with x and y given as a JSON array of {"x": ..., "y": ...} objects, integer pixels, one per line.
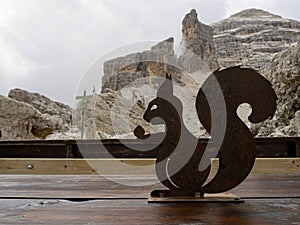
[{"x": 154, "y": 107}]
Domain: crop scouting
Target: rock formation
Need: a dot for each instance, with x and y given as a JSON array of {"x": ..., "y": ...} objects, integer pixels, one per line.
[
  {"x": 284, "y": 73},
  {"x": 297, "y": 121},
  {"x": 253, "y": 37},
  {"x": 250, "y": 38},
  {"x": 121, "y": 71},
  {"x": 114, "y": 113},
  {"x": 16, "y": 119},
  {"x": 26, "y": 115},
  {"x": 197, "y": 38},
  {"x": 43, "y": 104}
]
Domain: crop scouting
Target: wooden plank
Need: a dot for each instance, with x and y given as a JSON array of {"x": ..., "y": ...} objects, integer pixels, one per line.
[
  {"x": 138, "y": 211},
  {"x": 277, "y": 165},
  {"x": 125, "y": 166},
  {"x": 85, "y": 187},
  {"x": 77, "y": 166},
  {"x": 270, "y": 165}
]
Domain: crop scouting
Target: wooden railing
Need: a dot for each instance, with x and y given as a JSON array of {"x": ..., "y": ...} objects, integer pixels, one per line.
[{"x": 274, "y": 155}]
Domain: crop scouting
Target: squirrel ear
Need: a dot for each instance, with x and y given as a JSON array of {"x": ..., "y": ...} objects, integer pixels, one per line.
[
  {"x": 166, "y": 88},
  {"x": 168, "y": 76}
]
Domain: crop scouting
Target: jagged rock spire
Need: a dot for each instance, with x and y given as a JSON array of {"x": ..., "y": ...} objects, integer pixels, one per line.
[{"x": 198, "y": 38}]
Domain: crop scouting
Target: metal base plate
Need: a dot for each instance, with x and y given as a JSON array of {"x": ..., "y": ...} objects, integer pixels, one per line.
[{"x": 207, "y": 198}]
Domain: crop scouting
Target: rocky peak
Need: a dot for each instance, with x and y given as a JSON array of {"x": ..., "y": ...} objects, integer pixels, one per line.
[
  {"x": 193, "y": 30},
  {"x": 253, "y": 37},
  {"x": 198, "y": 38},
  {"x": 254, "y": 13}
]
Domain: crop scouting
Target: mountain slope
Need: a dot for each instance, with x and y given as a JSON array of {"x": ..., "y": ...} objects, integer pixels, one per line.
[{"x": 253, "y": 37}]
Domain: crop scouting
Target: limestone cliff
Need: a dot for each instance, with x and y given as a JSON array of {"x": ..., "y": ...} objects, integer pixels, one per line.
[
  {"x": 197, "y": 38},
  {"x": 284, "y": 73},
  {"x": 121, "y": 71},
  {"x": 253, "y": 37}
]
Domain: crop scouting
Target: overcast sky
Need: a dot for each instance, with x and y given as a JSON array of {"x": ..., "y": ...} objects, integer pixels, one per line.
[{"x": 46, "y": 46}]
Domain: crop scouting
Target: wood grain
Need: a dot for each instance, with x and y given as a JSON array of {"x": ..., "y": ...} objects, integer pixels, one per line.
[
  {"x": 125, "y": 166},
  {"x": 258, "y": 211},
  {"x": 93, "y": 199},
  {"x": 112, "y": 187}
]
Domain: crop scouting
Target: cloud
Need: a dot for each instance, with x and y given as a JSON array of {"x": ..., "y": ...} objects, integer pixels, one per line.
[
  {"x": 156, "y": 19},
  {"x": 47, "y": 45},
  {"x": 13, "y": 67}
]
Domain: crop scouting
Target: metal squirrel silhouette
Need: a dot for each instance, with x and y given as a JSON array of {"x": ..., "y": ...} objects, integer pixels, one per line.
[{"x": 180, "y": 153}]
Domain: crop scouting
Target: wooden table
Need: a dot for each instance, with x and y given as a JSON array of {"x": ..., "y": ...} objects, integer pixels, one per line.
[{"x": 92, "y": 199}]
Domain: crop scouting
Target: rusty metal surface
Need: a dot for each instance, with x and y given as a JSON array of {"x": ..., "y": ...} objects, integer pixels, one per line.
[{"x": 179, "y": 158}]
